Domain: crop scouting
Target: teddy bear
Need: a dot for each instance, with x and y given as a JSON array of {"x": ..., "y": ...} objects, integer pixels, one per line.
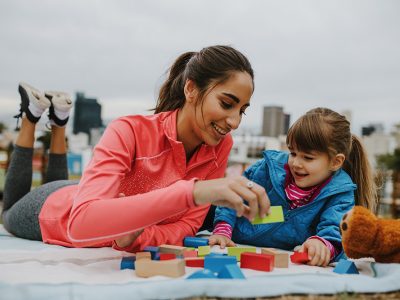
[{"x": 365, "y": 235}]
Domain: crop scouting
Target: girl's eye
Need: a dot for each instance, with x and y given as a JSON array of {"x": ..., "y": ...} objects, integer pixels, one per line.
[
  {"x": 242, "y": 112},
  {"x": 292, "y": 154},
  {"x": 308, "y": 157}
]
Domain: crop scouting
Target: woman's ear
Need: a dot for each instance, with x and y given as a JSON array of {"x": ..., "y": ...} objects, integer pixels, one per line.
[
  {"x": 337, "y": 162},
  {"x": 190, "y": 91}
]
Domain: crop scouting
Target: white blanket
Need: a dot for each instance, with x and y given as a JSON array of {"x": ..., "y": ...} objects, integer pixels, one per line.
[{"x": 33, "y": 270}]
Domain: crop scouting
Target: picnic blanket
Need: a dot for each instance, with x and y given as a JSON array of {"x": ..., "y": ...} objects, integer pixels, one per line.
[{"x": 33, "y": 270}]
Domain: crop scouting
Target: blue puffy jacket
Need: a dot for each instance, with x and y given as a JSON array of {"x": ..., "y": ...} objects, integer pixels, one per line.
[{"x": 321, "y": 217}]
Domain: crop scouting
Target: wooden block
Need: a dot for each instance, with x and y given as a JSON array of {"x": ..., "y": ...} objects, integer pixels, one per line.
[
  {"x": 195, "y": 262},
  {"x": 167, "y": 256},
  {"x": 170, "y": 268},
  {"x": 299, "y": 257},
  {"x": 275, "y": 216},
  {"x": 216, "y": 263},
  {"x": 128, "y": 263},
  {"x": 236, "y": 251},
  {"x": 191, "y": 253},
  {"x": 257, "y": 261},
  {"x": 192, "y": 241},
  {"x": 231, "y": 272},
  {"x": 153, "y": 250},
  {"x": 202, "y": 274},
  {"x": 345, "y": 266},
  {"x": 177, "y": 250},
  {"x": 143, "y": 255},
  {"x": 281, "y": 258},
  {"x": 203, "y": 250}
]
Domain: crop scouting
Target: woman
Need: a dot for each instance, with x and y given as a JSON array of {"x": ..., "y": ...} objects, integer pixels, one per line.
[{"x": 151, "y": 178}]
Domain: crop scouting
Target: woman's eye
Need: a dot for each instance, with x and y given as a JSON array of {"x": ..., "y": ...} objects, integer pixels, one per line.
[
  {"x": 242, "y": 112},
  {"x": 226, "y": 105},
  {"x": 292, "y": 154}
]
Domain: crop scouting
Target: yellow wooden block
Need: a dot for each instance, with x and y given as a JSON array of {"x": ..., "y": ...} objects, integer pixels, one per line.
[
  {"x": 170, "y": 268},
  {"x": 236, "y": 251},
  {"x": 203, "y": 250},
  {"x": 281, "y": 258}
]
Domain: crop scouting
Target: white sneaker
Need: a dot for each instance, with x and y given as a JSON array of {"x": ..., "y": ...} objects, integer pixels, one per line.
[
  {"x": 61, "y": 105},
  {"x": 33, "y": 102}
]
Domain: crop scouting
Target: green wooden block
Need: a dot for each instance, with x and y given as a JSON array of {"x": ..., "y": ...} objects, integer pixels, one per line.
[
  {"x": 236, "y": 251},
  {"x": 203, "y": 250},
  {"x": 275, "y": 216}
]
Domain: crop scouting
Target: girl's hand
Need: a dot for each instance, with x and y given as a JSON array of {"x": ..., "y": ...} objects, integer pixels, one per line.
[
  {"x": 318, "y": 252},
  {"x": 231, "y": 192},
  {"x": 221, "y": 240},
  {"x": 127, "y": 240}
]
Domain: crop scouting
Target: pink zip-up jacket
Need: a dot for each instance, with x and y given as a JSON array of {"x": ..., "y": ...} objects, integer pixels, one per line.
[{"x": 140, "y": 157}]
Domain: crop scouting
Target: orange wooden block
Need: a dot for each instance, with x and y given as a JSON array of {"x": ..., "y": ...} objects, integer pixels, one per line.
[
  {"x": 281, "y": 258},
  {"x": 167, "y": 256},
  {"x": 195, "y": 262},
  {"x": 177, "y": 250},
  {"x": 170, "y": 268},
  {"x": 189, "y": 253},
  {"x": 257, "y": 261},
  {"x": 143, "y": 255}
]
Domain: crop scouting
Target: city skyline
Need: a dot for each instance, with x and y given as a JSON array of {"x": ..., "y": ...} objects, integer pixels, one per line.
[{"x": 340, "y": 54}]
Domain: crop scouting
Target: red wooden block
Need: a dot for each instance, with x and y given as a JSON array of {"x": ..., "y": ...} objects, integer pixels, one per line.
[
  {"x": 189, "y": 253},
  {"x": 299, "y": 257},
  {"x": 167, "y": 256},
  {"x": 257, "y": 261},
  {"x": 196, "y": 262}
]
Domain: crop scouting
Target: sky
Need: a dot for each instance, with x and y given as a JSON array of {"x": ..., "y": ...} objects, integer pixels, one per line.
[{"x": 342, "y": 54}]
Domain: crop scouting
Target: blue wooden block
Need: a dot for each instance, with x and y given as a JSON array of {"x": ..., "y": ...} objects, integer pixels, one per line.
[
  {"x": 231, "y": 272},
  {"x": 153, "y": 251},
  {"x": 345, "y": 266},
  {"x": 191, "y": 241},
  {"x": 216, "y": 263},
  {"x": 128, "y": 262},
  {"x": 202, "y": 274}
]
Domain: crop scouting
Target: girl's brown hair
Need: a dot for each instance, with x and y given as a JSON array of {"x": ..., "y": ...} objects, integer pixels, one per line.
[
  {"x": 324, "y": 130},
  {"x": 207, "y": 68}
]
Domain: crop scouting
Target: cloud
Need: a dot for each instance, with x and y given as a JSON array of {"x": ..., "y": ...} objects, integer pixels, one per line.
[{"x": 342, "y": 54}]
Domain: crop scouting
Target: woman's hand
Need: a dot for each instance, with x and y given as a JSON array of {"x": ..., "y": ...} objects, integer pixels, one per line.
[
  {"x": 318, "y": 252},
  {"x": 231, "y": 192},
  {"x": 221, "y": 240}
]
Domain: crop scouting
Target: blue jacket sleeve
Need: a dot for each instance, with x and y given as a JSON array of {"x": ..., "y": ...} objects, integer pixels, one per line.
[{"x": 329, "y": 223}]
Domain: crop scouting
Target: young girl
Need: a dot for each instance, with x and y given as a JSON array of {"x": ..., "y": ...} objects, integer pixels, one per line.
[
  {"x": 313, "y": 184},
  {"x": 151, "y": 178}
]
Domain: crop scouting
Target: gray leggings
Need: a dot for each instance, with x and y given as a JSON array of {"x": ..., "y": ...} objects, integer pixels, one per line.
[{"x": 21, "y": 206}]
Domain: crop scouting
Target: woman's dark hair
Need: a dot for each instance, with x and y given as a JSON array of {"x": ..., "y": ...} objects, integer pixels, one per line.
[{"x": 207, "y": 68}]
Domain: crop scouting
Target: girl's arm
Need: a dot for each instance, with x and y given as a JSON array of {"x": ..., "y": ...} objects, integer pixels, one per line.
[{"x": 328, "y": 227}]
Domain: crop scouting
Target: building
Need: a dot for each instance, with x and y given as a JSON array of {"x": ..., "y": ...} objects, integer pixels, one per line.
[
  {"x": 275, "y": 121},
  {"x": 87, "y": 115}
]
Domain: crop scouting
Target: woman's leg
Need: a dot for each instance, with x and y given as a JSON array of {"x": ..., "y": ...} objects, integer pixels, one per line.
[
  {"x": 19, "y": 173},
  {"x": 22, "y": 219},
  {"x": 61, "y": 105}
]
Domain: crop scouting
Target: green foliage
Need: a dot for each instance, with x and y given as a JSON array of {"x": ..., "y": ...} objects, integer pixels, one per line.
[{"x": 390, "y": 161}]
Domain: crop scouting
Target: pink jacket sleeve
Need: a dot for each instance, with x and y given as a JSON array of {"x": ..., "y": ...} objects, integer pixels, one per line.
[
  {"x": 189, "y": 223},
  {"x": 99, "y": 215}
]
